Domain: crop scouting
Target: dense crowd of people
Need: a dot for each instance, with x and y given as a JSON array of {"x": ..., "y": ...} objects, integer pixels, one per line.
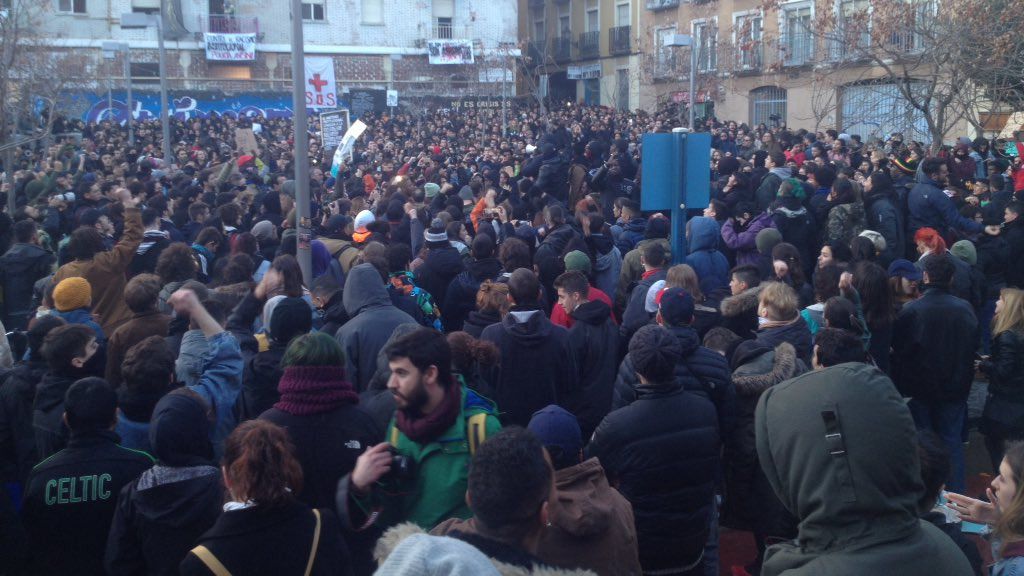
[{"x": 498, "y": 365}]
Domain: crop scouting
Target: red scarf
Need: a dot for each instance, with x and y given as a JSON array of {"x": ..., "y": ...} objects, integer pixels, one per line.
[
  {"x": 423, "y": 429},
  {"x": 650, "y": 273}
]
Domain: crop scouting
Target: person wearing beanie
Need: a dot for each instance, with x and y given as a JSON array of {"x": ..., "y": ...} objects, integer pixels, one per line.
[
  {"x": 106, "y": 268},
  {"x": 289, "y": 317},
  {"x": 579, "y": 261},
  {"x": 699, "y": 369},
  {"x": 72, "y": 300},
  {"x": 441, "y": 264},
  {"x": 662, "y": 452},
  {"x": 320, "y": 409},
  {"x": 858, "y": 491},
  {"x": 71, "y": 497},
  {"x": 162, "y": 513},
  {"x": 430, "y": 191},
  {"x": 361, "y": 233}
]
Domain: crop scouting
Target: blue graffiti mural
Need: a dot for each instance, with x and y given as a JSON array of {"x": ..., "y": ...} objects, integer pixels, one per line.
[{"x": 146, "y": 106}]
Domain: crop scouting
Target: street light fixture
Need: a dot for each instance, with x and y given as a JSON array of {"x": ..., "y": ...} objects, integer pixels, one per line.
[
  {"x": 110, "y": 50},
  {"x": 687, "y": 40},
  {"x": 132, "y": 20}
]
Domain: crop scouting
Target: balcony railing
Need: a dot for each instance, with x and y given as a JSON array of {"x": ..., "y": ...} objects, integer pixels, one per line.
[
  {"x": 590, "y": 44},
  {"x": 618, "y": 40},
  {"x": 797, "y": 49},
  {"x": 750, "y": 57},
  {"x": 562, "y": 48},
  {"x": 451, "y": 32},
  {"x": 229, "y": 24}
]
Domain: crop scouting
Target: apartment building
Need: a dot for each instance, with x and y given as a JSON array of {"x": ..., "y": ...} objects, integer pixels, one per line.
[
  {"x": 583, "y": 50},
  {"x": 799, "y": 62},
  {"x": 241, "y": 48}
]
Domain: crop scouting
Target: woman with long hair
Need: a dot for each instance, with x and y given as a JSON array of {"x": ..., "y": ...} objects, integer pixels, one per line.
[
  {"x": 264, "y": 528},
  {"x": 789, "y": 268},
  {"x": 1004, "y": 512},
  {"x": 705, "y": 312},
  {"x": 872, "y": 286},
  {"x": 1003, "y": 417}
]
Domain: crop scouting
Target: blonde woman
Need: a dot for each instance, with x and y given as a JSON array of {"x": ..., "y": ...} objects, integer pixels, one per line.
[
  {"x": 1003, "y": 417},
  {"x": 1004, "y": 512}
]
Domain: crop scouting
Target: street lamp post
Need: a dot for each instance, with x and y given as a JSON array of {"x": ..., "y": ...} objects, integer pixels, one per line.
[
  {"x": 302, "y": 224},
  {"x": 687, "y": 40},
  {"x": 109, "y": 50},
  {"x": 131, "y": 20}
]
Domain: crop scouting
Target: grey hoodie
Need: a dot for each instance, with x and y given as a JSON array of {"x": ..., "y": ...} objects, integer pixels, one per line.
[
  {"x": 839, "y": 448},
  {"x": 374, "y": 318}
]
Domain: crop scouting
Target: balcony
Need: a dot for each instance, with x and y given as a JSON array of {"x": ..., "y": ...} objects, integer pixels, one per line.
[
  {"x": 590, "y": 44},
  {"x": 562, "y": 48},
  {"x": 618, "y": 40},
  {"x": 797, "y": 49},
  {"x": 229, "y": 24},
  {"x": 451, "y": 32}
]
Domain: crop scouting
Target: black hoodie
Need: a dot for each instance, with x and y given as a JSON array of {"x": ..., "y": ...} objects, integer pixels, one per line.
[
  {"x": 160, "y": 515},
  {"x": 594, "y": 339},
  {"x": 539, "y": 367},
  {"x": 48, "y": 411}
]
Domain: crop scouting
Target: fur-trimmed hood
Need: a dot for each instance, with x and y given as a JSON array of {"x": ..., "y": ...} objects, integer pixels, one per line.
[
  {"x": 394, "y": 536},
  {"x": 766, "y": 370},
  {"x": 743, "y": 302}
]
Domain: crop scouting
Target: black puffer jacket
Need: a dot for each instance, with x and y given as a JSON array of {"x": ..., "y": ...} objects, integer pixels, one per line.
[
  {"x": 20, "y": 267},
  {"x": 460, "y": 298},
  {"x": 930, "y": 361},
  {"x": 796, "y": 333},
  {"x": 17, "y": 440},
  {"x": 438, "y": 269},
  {"x": 260, "y": 376},
  {"x": 594, "y": 339},
  {"x": 663, "y": 452},
  {"x": 700, "y": 370},
  {"x": 750, "y": 502}
]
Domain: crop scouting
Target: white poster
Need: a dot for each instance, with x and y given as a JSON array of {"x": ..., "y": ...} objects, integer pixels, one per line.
[
  {"x": 321, "y": 89},
  {"x": 230, "y": 47},
  {"x": 392, "y": 98},
  {"x": 347, "y": 143},
  {"x": 450, "y": 51}
]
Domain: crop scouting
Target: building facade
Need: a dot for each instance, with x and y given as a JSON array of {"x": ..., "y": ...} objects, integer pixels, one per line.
[
  {"x": 241, "y": 48},
  {"x": 588, "y": 50},
  {"x": 798, "y": 63}
]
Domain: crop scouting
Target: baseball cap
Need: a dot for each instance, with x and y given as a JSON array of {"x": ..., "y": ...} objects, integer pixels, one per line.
[
  {"x": 676, "y": 306},
  {"x": 905, "y": 269},
  {"x": 556, "y": 427}
]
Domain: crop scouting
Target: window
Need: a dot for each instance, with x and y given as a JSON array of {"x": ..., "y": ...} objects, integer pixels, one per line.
[
  {"x": 564, "y": 20},
  {"x": 747, "y": 37},
  {"x": 853, "y": 29},
  {"x": 705, "y": 35},
  {"x": 145, "y": 72},
  {"x": 444, "y": 28},
  {"x": 313, "y": 11},
  {"x": 593, "y": 16},
  {"x": 797, "y": 39},
  {"x": 919, "y": 25},
  {"x": 373, "y": 12},
  {"x": 622, "y": 14},
  {"x": 73, "y": 6},
  {"x": 878, "y": 109},
  {"x": 666, "y": 55},
  {"x": 592, "y": 92},
  {"x": 767, "y": 105},
  {"x": 539, "y": 30}
]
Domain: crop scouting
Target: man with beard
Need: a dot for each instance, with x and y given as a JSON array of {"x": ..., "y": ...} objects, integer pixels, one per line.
[{"x": 420, "y": 473}]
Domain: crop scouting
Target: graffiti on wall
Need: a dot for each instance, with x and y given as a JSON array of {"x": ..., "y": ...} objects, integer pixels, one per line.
[{"x": 146, "y": 106}]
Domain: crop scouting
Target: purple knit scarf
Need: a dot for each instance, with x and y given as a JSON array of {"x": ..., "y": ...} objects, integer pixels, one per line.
[{"x": 307, "y": 390}]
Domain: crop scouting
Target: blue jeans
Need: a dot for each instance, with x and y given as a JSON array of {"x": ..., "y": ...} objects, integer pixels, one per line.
[{"x": 946, "y": 419}]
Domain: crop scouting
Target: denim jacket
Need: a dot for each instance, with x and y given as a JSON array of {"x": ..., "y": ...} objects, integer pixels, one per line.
[{"x": 219, "y": 384}]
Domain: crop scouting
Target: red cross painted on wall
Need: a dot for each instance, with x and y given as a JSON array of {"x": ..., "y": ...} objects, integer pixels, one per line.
[{"x": 317, "y": 82}]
